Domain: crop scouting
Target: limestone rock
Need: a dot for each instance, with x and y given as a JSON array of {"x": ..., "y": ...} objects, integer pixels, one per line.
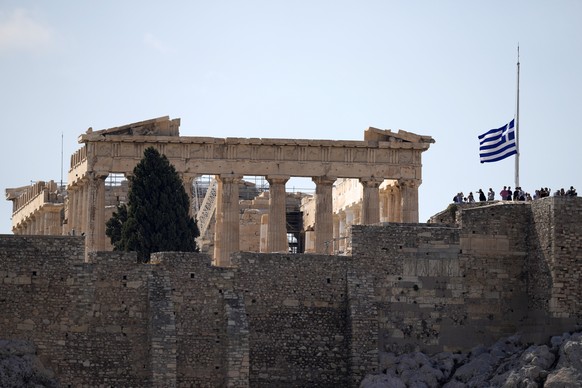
[
  {"x": 508, "y": 363},
  {"x": 526, "y": 370},
  {"x": 564, "y": 378},
  {"x": 20, "y": 367},
  {"x": 570, "y": 353},
  {"x": 382, "y": 381}
]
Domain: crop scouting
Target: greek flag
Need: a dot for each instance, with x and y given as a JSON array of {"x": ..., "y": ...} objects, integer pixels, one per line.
[{"x": 497, "y": 144}]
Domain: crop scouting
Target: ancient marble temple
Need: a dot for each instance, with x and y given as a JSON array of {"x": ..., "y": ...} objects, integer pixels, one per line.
[{"x": 380, "y": 174}]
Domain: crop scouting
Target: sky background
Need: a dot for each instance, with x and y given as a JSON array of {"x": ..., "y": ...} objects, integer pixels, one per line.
[{"x": 298, "y": 69}]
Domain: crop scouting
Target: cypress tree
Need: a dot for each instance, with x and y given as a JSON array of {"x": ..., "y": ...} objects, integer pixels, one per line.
[
  {"x": 114, "y": 226},
  {"x": 157, "y": 210}
]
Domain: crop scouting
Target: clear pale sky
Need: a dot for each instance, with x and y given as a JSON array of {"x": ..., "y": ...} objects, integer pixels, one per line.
[{"x": 298, "y": 69}]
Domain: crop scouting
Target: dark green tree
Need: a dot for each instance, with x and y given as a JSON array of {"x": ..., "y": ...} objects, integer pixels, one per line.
[
  {"x": 114, "y": 226},
  {"x": 157, "y": 211}
]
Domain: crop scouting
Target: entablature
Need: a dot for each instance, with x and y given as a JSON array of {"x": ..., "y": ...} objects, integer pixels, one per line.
[{"x": 383, "y": 154}]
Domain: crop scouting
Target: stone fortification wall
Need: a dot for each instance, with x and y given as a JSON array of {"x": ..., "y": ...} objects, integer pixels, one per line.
[
  {"x": 295, "y": 320},
  {"x": 87, "y": 319},
  {"x": 297, "y": 307},
  {"x": 557, "y": 239},
  {"x": 198, "y": 322},
  {"x": 179, "y": 320},
  {"x": 494, "y": 244},
  {"x": 416, "y": 277},
  {"x": 510, "y": 267},
  {"x": 113, "y": 320}
]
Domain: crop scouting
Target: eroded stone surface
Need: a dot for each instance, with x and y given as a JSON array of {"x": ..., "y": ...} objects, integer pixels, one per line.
[
  {"x": 508, "y": 363},
  {"x": 20, "y": 366}
]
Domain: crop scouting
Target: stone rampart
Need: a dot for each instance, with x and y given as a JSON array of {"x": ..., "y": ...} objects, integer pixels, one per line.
[
  {"x": 295, "y": 320},
  {"x": 556, "y": 237},
  {"x": 297, "y": 309},
  {"x": 200, "y": 295}
]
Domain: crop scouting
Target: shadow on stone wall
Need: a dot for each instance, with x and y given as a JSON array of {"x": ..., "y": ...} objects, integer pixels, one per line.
[{"x": 295, "y": 320}]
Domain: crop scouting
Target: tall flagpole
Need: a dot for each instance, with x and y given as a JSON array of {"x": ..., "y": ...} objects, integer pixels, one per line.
[
  {"x": 61, "y": 161},
  {"x": 517, "y": 125}
]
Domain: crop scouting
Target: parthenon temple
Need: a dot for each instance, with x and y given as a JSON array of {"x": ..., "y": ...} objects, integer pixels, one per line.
[{"x": 356, "y": 182}]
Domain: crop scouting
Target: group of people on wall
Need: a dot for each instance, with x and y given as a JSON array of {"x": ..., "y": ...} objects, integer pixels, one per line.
[{"x": 506, "y": 194}]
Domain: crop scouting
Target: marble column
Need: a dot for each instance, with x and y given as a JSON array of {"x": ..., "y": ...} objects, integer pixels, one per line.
[
  {"x": 95, "y": 208},
  {"x": 371, "y": 200},
  {"x": 75, "y": 210},
  {"x": 82, "y": 207},
  {"x": 323, "y": 214},
  {"x": 357, "y": 211},
  {"x": 40, "y": 223},
  {"x": 53, "y": 222},
  {"x": 46, "y": 223},
  {"x": 336, "y": 234},
  {"x": 31, "y": 225},
  {"x": 79, "y": 208},
  {"x": 227, "y": 232},
  {"x": 349, "y": 217},
  {"x": 68, "y": 211},
  {"x": 342, "y": 231},
  {"x": 34, "y": 225},
  {"x": 394, "y": 208},
  {"x": 263, "y": 232},
  {"x": 277, "y": 220},
  {"x": 409, "y": 193},
  {"x": 384, "y": 206}
]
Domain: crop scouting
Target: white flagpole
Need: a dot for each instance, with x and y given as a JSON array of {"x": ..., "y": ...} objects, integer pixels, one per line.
[{"x": 517, "y": 126}]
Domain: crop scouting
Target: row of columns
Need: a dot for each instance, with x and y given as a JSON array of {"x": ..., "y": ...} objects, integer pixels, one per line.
[
  {"x": 395, "y": 203},
  {"x": 45, "y": 222},
  {"x": 87, "y": 211},
  {"x": 227, "y": 234}
]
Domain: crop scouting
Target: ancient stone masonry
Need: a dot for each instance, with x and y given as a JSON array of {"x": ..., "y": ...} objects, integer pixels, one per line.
[
  {"x": 555, "y": 267},
  {"x": 380, "y": 156},
  {"x": 37, "y": 209},
  {"x": 295, "y": 320},
  {"x": 355, "y": 202}
]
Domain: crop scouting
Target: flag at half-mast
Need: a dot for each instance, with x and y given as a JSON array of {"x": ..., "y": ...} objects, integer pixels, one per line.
[{"x": 498, "y": 144}]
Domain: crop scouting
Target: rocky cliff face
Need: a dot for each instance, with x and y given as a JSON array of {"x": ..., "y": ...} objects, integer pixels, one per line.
[{"x": 508, "y": 363}]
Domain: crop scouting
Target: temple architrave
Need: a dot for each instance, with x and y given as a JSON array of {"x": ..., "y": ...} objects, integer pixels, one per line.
[{"x": 383, "y": 170}]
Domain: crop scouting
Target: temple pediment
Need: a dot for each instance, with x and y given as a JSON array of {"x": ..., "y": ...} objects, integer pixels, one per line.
[
  {"x": 161, "y": 126},
  {"x": 386, "y": 135}
]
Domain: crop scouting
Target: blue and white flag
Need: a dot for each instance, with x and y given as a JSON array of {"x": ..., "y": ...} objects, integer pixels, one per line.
[{"x": 497, "y": 144}]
